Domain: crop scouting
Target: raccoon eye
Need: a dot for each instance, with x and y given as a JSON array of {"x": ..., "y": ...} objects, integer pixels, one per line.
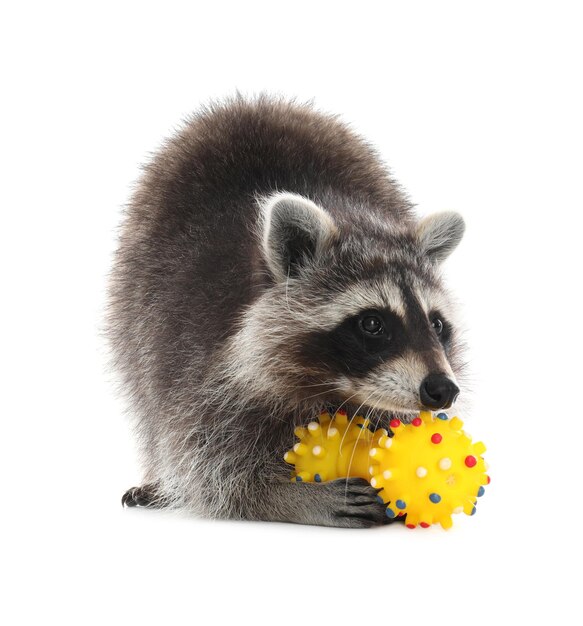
[
  {"x": 437, "y": 326},
  {"x": 372, "y": 325}
]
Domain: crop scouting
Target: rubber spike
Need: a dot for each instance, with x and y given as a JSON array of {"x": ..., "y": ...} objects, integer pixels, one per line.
[
  {"x": 315, "y": 429},
  {"x": 412, "y": 519},
  {"x": 455, "y": 423},
  {"x": 301, "y": 449},
  {"x": 300, "y": 432},
  {"x": 426, "y": 416},
  {"x": 332, "y": 433},
  {"x": 377, "y": 453},
  {"x": 319, "y": 452},
  {"x": 385, "y": 441},
  {"x": 479, "y": 448},
  {"x": 446, "y": 522},
  {"x": 290, "y": 457}
]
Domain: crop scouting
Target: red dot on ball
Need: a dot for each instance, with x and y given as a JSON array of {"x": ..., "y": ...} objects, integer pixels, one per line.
[
  {"x": 400, "y": 514},
  {"x": 436, "y": 438},
  {"x": 424, "y": 525},
  {"x": 470, "y": 461},
  {"x": 417, "y": 421},
  {"x": 488, "y": 479},
  {"x": 410, "y": 525},
  {"x": 394, "y": 423}
]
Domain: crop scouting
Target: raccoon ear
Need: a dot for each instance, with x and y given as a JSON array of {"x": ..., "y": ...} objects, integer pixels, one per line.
[
  {"x": 440, "y": 233},
  {"x": 295, "y": 231}
]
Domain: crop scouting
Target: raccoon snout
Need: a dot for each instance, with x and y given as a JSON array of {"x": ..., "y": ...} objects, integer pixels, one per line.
[{"x": 437, "y": 391}]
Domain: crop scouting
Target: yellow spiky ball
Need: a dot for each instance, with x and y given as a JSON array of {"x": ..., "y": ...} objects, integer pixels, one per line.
[
  {"x": 428, "y": 470},
  {"x": 331, "y": 448}
]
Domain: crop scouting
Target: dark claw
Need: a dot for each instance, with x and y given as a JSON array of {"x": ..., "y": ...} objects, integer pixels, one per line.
[
  {"x": 127, "y": 499},
  {"x": 140, "y": 496}
]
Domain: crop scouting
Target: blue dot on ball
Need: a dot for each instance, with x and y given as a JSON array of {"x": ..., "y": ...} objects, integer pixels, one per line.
[
  {"x": 298, "y": 479},
  {"x": 481, "y": 492},
  {"x": 442, "y": 416},
  {"x": 401, "y": 504},
  {"x": 318, "y": 478},
  {"x": 473, "y": 511},
  {"x": 435, "y": 498},
  {"x": 391, "y": 513}
]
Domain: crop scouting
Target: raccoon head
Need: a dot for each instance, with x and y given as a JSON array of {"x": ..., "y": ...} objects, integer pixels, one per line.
[{"x": 357, "y": 310}]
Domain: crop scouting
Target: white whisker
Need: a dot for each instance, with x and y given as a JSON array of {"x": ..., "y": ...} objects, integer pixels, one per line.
[{"x": 359, "y": 434}]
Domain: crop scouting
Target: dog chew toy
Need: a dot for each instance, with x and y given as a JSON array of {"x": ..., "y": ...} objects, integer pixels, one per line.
[{"x": 428, "y": 470}]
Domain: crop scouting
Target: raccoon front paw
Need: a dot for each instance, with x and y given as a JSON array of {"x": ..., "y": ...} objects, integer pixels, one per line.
[{"x": 356, "y": 504}]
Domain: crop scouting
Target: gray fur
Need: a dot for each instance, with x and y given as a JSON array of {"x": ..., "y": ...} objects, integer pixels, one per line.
[{"x": 210, "y": 323}]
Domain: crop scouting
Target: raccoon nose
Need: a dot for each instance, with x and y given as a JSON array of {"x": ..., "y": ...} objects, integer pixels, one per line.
[{"x": 438, "y": 392}]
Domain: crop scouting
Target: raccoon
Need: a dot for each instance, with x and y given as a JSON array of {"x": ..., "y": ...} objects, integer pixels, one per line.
[{"x": 269, "y": 267}]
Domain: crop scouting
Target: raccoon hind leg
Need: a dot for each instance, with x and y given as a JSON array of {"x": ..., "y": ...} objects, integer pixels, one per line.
[{"x": 145, "y": 496}]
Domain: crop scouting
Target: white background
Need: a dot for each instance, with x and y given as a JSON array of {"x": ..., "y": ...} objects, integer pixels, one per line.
[{"x": 476, "y": 107}]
